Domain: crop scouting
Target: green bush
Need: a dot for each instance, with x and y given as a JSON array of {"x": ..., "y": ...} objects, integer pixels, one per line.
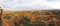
[{"x": 8, "y": 16}]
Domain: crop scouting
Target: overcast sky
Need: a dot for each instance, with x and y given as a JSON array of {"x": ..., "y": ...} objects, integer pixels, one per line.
[{"x": 17, "y": 5}]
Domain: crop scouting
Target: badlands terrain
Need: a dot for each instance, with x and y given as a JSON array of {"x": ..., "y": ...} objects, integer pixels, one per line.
[{"x": 31, "y": 18}]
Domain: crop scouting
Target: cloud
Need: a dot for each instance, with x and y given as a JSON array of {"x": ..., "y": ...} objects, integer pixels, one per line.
[
  {"x": 53, "y": 0},
  {"x": 29, "y": 4}
]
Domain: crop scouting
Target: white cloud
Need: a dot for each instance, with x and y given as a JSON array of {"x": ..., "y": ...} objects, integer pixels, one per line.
[{"x": 29, "y": 4}]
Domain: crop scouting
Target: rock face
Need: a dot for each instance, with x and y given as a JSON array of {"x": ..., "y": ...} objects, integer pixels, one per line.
[
  {"x": 31, "y": 18},
  {"x": 0, "y": 17}
]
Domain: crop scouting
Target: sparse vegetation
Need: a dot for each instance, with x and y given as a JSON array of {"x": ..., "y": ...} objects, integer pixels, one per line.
[{"x": 25, "y": 18}]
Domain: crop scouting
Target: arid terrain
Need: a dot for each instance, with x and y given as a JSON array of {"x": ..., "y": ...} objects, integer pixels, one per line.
[{"x": 31, "y": 18}]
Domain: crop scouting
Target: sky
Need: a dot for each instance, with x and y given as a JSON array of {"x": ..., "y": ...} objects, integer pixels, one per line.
[{"x": 17, "y": 5}]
